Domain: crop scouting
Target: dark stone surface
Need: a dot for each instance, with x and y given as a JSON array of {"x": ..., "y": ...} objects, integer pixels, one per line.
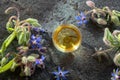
[{"x": 51, "y": 13}]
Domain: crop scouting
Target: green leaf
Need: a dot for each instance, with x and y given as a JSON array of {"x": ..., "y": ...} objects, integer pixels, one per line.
[
  {"x": 7, "y": 42},
  {"x": 33, "y": 22},
  {"x": 7, "y": 66}
]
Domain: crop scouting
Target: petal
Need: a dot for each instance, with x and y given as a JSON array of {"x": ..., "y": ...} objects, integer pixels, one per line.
[
  {"x": 59, "y": 69},
  {"x": 55, "y": 73},
  {"x": 33, "y": 37},
  {"x": 37, "y": 61},
  {"x": 42, "y": 57},
  {"x": 85, "y": 21},
  {"x": 113, "y": 74},
  {"x": 78, "y": 18},
  {"x": 65, "y": 72},
  {"x": 80, "y": 23},
  {"x": 117, "y": 71},
  {"x": 82, "y": 14},
  {"x": 38, "y": 39}
]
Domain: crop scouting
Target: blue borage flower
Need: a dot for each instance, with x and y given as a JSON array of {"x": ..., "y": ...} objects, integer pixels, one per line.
[
  {"x": 115, "y": 75},
  {"x": 60, "y": 74},
  {"x": 81, "y": 19},
  {"x": 40, "y": 61},
  {"x": 35, "y": 42}
]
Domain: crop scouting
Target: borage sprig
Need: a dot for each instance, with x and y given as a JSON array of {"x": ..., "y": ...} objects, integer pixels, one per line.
[{"x": 21, "y": 30}]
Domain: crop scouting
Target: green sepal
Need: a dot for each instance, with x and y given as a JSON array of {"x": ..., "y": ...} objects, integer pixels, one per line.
[
  {"x": 20, "y": 39},
  {"x": 27, "y": 37}
]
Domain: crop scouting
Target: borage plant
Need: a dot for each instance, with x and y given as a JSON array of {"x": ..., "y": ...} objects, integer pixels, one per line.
[
  {"x": 101, "y": 16},
  {"x": 29, "y": 54}
]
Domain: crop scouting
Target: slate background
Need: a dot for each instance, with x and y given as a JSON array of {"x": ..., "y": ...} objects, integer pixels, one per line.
[{"x": 51, "y": 13}]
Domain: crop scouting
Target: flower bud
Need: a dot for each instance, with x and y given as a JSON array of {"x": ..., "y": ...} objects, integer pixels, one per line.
[
  {"x": 90, "y": 4},
  {"x": 31, "y": 58},
  {"x": 117, "y": 59},
  {"x": 3, "y": 61},
  {"x": 27, "y": 71},
  {"x": 101, "y": 21},
  {"x": 14, "y": 65},
  {"x": 24, "y": 60},
  {"x": 115, "y": 20}
]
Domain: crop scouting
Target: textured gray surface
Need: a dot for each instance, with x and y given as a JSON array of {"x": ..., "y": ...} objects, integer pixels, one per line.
[{"x": 51, "y": 13}]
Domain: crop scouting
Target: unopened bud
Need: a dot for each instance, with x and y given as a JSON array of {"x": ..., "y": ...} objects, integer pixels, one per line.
[
  {"x": 24, "y": 60},
  {"x": 27, "y": 71},
  {"x": 3, "y": 61},
  {"x": 31, "y": 58},
  {"x": 117, "y": 59},
  {"x": 101, "y": 21},
  {"x": 90, "y": 4}
]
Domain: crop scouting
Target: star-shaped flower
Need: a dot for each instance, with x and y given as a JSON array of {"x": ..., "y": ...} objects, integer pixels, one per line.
[
  {"x": 60, "y": 74},
  {"x": 40, "y": 62},
  {"x": 115, "y": 75},
  {"x": 81, "y": 19},
  {"x": 35, "y": 42}
]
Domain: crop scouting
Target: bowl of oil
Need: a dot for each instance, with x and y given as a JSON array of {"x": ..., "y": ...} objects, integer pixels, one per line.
[{"x": 66, "y": 38}]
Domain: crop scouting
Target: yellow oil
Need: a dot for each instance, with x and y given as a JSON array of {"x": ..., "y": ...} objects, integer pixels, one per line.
[{"x": 66, "y": 38}]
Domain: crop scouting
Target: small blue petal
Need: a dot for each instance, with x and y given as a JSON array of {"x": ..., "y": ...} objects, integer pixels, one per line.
[
  {"x": 85, "y": 21},
  {"x": 33, "y": 37},
  {"x": 80, "y": 23},
  {"x": 42, "y": 57},
  {"x": 37, "y": 61},
  {"x": 55, "y": 73},
  {"x": 65, "y": 72},
  {"x": 38, "y": 39},
  {"x": 82, "y": 14},
  {"x": 78, "y": 18},
  {"x": 59, "y": 69}
]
